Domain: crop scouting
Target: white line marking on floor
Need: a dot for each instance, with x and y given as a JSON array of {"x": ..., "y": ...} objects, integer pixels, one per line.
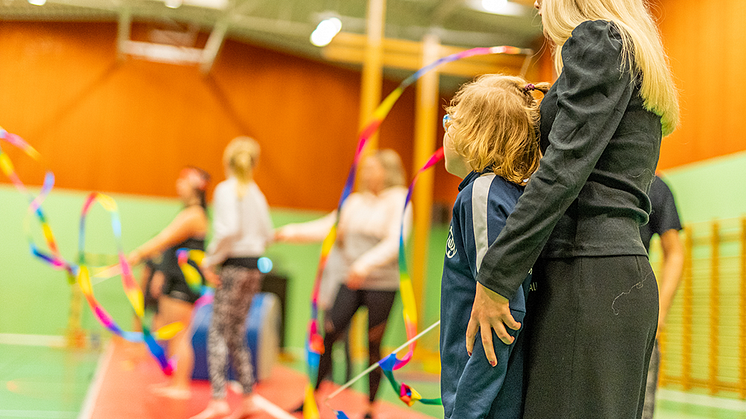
[
  {"x": 701, "y": 400},
  {"x": 36, "y": 414},
  {"x": 271, "y": 408},
  {"x": 98, "y": 379},
  {"x": 32, "y": 340}
]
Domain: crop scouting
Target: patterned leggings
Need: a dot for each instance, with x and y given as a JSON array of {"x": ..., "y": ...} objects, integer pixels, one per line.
[{"x": 227, "y": 329}]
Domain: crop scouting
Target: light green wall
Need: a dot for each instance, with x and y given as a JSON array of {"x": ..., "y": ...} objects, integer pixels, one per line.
[
  {"x": 35, "y": 299},
  {"x": 710, "y": 189}
]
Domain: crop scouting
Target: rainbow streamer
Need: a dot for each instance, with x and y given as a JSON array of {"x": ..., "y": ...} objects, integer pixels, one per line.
[
  {"x": 314, "y": 345},
  {"x": 405, "y": 282},
  {"x": 131, "y": 288},
  {"x": 191, "y": 274},
  {"x": 406, "y": 393},
  {"x": 79, "y": 273},
  {"x": 34, "y": 209}
]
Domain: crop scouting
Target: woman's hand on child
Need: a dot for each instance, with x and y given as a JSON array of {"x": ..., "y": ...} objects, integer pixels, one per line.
[{"x": 489, "y": 312}]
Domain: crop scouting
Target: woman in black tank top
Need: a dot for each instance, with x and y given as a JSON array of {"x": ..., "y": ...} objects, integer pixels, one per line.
[{"x": 175, "y": 298}]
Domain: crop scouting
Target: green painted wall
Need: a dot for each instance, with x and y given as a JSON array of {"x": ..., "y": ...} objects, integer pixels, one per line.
[
  {"x": 35, "y": 299},
  {"x": 710, "y": 189}
]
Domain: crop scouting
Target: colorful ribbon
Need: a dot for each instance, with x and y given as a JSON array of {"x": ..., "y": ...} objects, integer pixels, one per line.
[
  {"x": 131, "y": 288},
  {"x": 314, "y": 343},
  {"x": 34, "y": 209},
  {"x": 409, "y": 310},
  {"x": 79, "y": 273},
  {"x": 407, "y": 394},
  {"x": 191, "y": 274}
]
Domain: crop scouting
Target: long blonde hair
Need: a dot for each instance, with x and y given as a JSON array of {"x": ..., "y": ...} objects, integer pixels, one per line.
[
  {"x": 495, "y": 123},
  {"x": 642, "y": 48},
  {"x": 240, "y": 158},
  {"x": 392, "y": 165}
]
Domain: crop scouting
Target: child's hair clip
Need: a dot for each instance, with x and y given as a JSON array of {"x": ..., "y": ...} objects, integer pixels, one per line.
[{"x": 529, "y": 87}]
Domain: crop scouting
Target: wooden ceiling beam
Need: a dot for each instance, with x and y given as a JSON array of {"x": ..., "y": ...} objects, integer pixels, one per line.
[
  {"x": 407, "y": 55},
  {"x": 444, "y": 9}
]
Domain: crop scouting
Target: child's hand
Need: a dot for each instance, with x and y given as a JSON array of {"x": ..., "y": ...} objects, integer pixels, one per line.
[{"x": 490, "y": 311}]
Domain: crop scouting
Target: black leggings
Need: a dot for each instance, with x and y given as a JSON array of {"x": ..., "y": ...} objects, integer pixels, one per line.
[{"x": 379, "y": 305}]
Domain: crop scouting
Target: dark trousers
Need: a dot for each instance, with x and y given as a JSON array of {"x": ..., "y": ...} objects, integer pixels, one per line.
[
  {"x": 379, "y": 305},
  {"x": 591, "y": 326}
]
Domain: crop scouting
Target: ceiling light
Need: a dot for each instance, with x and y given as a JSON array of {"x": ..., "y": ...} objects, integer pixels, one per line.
[
  {"x": 494, "y": 6},
  {"x": 172, "y": 4},
  {"x": 37, "y": 2},
  {"x": 499, "y": 7},
  {"x": 326, "y": 31}
]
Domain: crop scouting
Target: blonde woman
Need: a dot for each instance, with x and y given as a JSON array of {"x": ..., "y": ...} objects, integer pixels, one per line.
[
  {"x": 241, "y": 230},
  {"x": 491, "y": 143},
  {"x": 365, "y": 270},
  {"x": 592, "y": 320}
]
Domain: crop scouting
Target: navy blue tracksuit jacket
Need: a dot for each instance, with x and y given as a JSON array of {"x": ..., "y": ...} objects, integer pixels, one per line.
[{"x": 470, "y": 386}]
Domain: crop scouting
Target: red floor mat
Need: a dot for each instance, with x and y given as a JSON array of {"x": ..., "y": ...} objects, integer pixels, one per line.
[{"x": 130, "y": 372}]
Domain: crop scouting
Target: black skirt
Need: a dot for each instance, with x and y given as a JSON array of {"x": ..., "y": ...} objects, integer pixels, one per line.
[{"x": 590, "y": 325}]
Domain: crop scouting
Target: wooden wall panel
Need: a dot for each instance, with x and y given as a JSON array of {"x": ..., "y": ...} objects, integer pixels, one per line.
[
  {"x": 704, "y": 40},
  {"x": 130, "y": 126}
]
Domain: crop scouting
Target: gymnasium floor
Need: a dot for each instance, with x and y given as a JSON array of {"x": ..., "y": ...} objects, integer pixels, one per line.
[{"x": 39, "y": 381}]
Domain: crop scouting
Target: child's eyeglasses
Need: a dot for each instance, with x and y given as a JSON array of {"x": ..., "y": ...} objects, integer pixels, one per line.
[{"x": 447, "y": 121}]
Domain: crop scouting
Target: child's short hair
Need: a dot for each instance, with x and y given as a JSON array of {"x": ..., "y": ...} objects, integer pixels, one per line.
[{"x": 495, "y": 120}]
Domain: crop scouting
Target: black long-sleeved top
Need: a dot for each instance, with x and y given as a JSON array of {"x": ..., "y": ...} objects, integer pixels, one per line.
[{"x": 601, "y": 147}]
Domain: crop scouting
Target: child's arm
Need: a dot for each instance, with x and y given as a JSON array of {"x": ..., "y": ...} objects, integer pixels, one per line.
[{"x": 483, "y": 387}]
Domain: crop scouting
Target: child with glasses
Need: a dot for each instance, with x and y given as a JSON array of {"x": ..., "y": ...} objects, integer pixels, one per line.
[{"x": 491, "y": 142}]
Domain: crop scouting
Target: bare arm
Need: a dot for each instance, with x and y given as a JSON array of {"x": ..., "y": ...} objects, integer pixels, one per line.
[
  {"x": 188, "y": 223},
  {"x": 673, "y": 266},
  {"x": 310, "y": 231}
]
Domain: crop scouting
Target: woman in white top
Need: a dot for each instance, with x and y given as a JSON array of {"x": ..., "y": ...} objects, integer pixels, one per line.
[
  {"x": 241, "y": 230},
  {"x": 362, "y": 269}
]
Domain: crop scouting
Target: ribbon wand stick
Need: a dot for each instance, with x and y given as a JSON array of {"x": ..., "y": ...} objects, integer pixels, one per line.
[{"x": 374, "y": 366}]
